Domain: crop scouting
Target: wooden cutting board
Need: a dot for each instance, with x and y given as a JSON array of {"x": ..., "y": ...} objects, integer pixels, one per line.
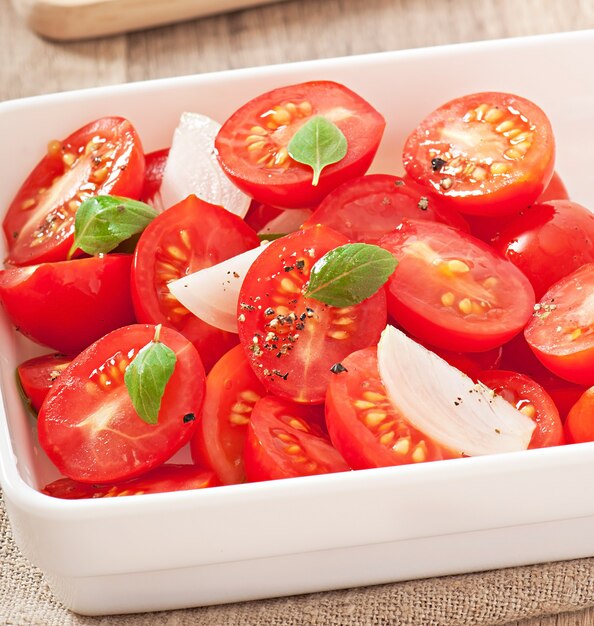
[{"x": 84, "y": 19}]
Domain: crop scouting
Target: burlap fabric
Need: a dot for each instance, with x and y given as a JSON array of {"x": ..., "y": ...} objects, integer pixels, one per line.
[{"x": 484, "y": 599}]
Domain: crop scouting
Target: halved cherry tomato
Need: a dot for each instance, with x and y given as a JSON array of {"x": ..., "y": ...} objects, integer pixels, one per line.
[
  {"x": 452, "y": 290},
  {"x": 532, "y": 400},
  {"x": 471, "y": 363},
  {"x": 260, "y": 214},
  {"x": 484, "y": 154},
  {"x": 252, "y": 144},
  {"x": 579, "y": 426},
  {"x": 284, "y": 441},
  {"x": 37, "y": 376},
  {"x": 548, "y": 241},
  {"x": 561, "y": 332},
  {"x": 292, "y": 341},
  {"x": 363, "y": 424},
  {"x": 187, "y": 237},
  {"x": 556, "y": 190},
  {"x": 88, "y": 426},
  {"x": 368, "y": 207},
  {"x": 104, "y": 157},
  {"x": 153, "y": 176},
  {"x": 232, "y": 389},
  {"x": 165, "y": 478},
  {"x": 69, "y": 304}
]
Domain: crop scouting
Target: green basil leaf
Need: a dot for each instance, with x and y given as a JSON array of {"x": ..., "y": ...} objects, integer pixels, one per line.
[
  {"x": 103, "y": 222},
  {"x": 318, "y": 143},
  {"x": 147, "y": 376},
  {"x": 271, "y": 236},
  {"x": 350, "y": 274}
]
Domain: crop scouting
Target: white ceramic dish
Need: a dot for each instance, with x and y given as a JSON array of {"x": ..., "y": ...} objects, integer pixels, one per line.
[{"x": 285, "y": 537}]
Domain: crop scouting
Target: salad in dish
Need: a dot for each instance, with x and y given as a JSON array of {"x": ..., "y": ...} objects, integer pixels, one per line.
[{"x": 252, "y": 293}]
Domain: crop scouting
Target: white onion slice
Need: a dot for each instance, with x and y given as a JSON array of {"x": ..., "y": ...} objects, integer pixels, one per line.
[
  {"x": 288, "y": 221},
  {"x": 212, "y": 294},
  {"x": 445, "y": 404},
  {"x": 192, "y": 167}
]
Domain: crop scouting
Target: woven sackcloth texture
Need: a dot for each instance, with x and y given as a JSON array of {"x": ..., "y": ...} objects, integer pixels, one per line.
[{"x": 480, "y": 599}]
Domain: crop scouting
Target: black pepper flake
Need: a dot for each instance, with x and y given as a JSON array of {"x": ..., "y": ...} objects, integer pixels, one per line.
[
  {"x": 310, "y": 312},
  {"x": 437, "y": 163},
  {"x": 299, "y": 326},
  {"x": 269, "y": 311},
  {"x": 97, "y": 160},
  {"x": 292, "y": 302},
  {"x": 423, "y": 203},
  {"x": 189, "y": 417},
  {"x": 498, "y": 431},
  {"x": 247, "y": 307},
  {"x": 300, "y": 264},
  {"x": 302, "y": 317},
  {"x": 399, "y": 183},
  {"x": 338, "y": 368},
  {"x": 289, "y": 268},
  {"x": 235, "y": 275}
]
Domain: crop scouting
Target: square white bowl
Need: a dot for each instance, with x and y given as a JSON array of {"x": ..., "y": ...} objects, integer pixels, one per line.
[{"x": 261, "y": 540}]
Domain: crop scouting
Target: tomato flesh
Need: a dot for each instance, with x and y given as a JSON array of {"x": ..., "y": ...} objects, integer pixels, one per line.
[
  {"x": 292, "y": 341},
  {"x": 579, "y": 426},
  {"x": 252, "y": 144},
  {"x": 484, "y": 154},
  {"x": 153, "y": 177},
  {"x": 103, "y": 157},
  {"x": 37, "y": 376},
  {"x": 88, "y": 426}
]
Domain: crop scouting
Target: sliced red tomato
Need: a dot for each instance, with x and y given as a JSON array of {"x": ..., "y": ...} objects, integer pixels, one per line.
[
  {"x": 153, "y": 177},
  {"x": 260, "y": 214},
  {"x": 37, "y": 376},
  {"x": 252, "y": 144},
  {"x": 232, "y": 389},
  {"x": 165, "y": 478},
  {"x": 548, "y": 241},
  {"x": 532, "y": 400},
  {"x": 452, "y": 290},
  {"x": 364, "y": 426},
  {"x": 69, "y": 304},
  {"x": 366, "y": 208},
  {"x": 561, "y": 332},
  {"x": 579, "y": 426},
  {"x": 104, "y": 157},
  {"x": 556, "y": 190},
  {"x": 292, "y": 341},
  {"x": 88, "y": 426},
  {"x": 284, "y": 441},
  {"x": 187, "y": 237},
  {"x": 484, "y": 154}
]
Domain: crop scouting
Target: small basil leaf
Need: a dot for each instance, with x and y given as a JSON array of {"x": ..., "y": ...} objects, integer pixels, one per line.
[
  {"x": 147, "y": 376},
  {"x": 318, "y": 143},
  {"x": 271, "y": 236},
  {"x": 103, "y": 222},
  {"x": 350, "y": 274}
]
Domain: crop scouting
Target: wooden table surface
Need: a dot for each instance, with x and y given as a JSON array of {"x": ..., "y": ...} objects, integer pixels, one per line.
[{"x": 289, "y": 31}]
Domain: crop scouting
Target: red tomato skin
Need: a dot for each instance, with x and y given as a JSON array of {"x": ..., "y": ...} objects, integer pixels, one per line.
[
  {"x": 571, "y": 359},
  {"x": 548, "y": 241},
  {"x": 88, "y": 428},
  {"x": 523, "y": 389},
  {"x": 153, "y": 177},
  {"x": 215, "y": 235},
  {"x": 124, "y": 180},
  {"x": 306, "y": 344},
  {"x": 556, "y": 190},
  {"x": 290, "y": 185},
  {"x": 260, "y": 214},
  {"x": 265, "y": 454},
  {"x": 37, "y": 375},
  {"x": 168, "y": 477},
  {"x": 69, "y": 304},
  {"x": 471, "y": 363},
  {"x": 447, "y": 331},
  {"x": 220, "y": 436},
  {"x": 351, "y": 432},
  {"x": 366, "y": 208},
  {"x": 579, "y": 426},
  {"x": 502, "y": 194}
]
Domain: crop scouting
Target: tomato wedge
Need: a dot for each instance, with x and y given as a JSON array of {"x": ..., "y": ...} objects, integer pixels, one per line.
[
  {"x": 579, "y": 426},
  {"x": 532, "y": 400},
  {"x": 561, "y": 332},
  {"x": 165, "y": 478},
  {"x": 153, "y": 177},
  {"x": 103, "y": 157},
  {"x": 87, "y": 424},
  {"x": 183, "y": 239},
  {"x": 37, "y": 376},
  {"x": 252, "y": 144},
  {"x": 452, "y": 290},
  {"x": 232, "y": 389},
  {"x": 69, "y": 304},
  {"x": 364, "y": 426},
  {"x": 484, "y": 154},
  {"x": 366, "y": 208},
  {"x": 284, "y": 441},
  {"x": 292, "y": 341}
]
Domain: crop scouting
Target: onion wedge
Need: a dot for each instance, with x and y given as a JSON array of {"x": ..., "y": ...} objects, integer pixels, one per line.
[
  {"x": 445, "y": 404},
  {"x": 212, "y": 293},
  {"x": 192, "y": 167}
]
